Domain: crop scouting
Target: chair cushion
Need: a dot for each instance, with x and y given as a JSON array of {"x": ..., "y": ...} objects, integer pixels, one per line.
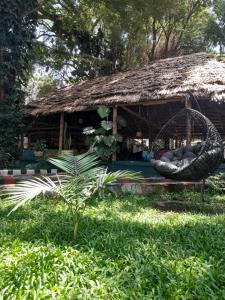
[{"x": 164, "y": 167}]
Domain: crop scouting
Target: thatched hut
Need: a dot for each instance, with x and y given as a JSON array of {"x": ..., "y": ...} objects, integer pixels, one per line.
[{"x": 146, "y": 97}]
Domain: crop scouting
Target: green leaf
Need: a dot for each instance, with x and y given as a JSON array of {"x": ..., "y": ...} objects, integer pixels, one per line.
[
  {"x": 99, "y": 138},
  {"x": 107, "y": 125},
  {"x": 85, "y": 164},
  {"x": 118, "y": 137},
  {"x": 100, "y": 131},
  {"x": 88, "y": 130},
  {"x": 89, "y": 140},
  {"x": 109, "y": 140},
  {"x": 103, "y": 111}
]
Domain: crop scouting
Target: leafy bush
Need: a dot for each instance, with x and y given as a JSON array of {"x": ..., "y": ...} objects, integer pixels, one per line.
[
  {"x": 4, "y": 159},
  {"x": 216, "y": 183}
]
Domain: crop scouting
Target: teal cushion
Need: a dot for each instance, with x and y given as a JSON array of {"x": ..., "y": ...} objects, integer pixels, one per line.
[{"x": 28, "y": 155}]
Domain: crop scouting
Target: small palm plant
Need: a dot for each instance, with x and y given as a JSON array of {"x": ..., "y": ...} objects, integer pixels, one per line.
[{"x": 83, "y": 179}]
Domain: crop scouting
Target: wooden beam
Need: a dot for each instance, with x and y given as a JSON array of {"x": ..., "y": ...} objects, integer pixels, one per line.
[
  {"x": 61, "y": 130},
  {"x": 114, "y": 129},
  {"x": 188, "y": 124},
  {"x": 160, "y": 102},
  {"x": 138, "y": 116},
  {"x": 144, "y": 102}
]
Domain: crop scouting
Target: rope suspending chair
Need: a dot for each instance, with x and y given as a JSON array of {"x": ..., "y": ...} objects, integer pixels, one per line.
[{"x": 188, "y": 147}]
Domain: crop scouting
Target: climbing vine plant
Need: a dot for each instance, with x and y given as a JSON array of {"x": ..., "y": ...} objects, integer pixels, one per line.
[{"x": 17, "y": 32}]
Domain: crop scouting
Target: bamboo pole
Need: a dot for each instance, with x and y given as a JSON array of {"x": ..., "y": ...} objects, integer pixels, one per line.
[
  {"x": 114, "y": 129},
  {"x": 61, "y": 130}
]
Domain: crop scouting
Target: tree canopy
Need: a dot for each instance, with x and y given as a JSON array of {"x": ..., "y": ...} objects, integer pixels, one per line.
[
  {"x": 84, "y": 39},
  {"x": 215, "y": 32}
]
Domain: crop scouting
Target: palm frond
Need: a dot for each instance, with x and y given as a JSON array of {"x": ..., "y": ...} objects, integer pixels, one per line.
[
  {"x": 105, "y": 178},
  {"x": 86, "y": 164},
  {"x": 84, "y": 177},
  {"x": 30, "y": 189}
]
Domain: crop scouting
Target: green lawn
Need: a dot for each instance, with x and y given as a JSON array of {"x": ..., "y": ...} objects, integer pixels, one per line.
[{"x": 125, "y": 249}]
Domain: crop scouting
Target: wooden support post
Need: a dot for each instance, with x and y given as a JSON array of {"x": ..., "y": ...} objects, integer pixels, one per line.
[
  {"x": 61, "y": 130},
  {"x": 114, "y": 129},
  {"x": 188, "y": 125}
]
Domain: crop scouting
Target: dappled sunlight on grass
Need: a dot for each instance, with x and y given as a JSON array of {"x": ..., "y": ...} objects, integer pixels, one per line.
[{"x": 125, "y": 249}]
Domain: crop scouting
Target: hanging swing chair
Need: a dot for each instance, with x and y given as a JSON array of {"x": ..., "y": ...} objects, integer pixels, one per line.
[{"x": 188, "y": 147}]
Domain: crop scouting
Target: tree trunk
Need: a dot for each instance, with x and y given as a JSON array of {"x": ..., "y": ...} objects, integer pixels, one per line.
[
  {"x": 75, "y": 224},
  {"x": 166, "y": 48},
  {"x": 154, "y": 34}
]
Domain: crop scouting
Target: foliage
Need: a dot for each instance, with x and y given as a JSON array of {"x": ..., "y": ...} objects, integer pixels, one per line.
[
  {"x": 127, "y": 249},
  {"x": 194, "y": 38},
  {"x": 101, "y": 140},
  {"x": 40, "y": 145},
  {"x": 216, "y": 183},
  {"x": 46, "y": 86},
  {"x": 83, "y": 180},
  {"x": 17, "y": 28},
  {"x": 86, "y": 39},
  {"x": 103, "y": 111},
  {"x": 4, "y": 159},
  {"x": 40, "y": 85},
  {"x": 71, "y": 39},
  {"x": 215, "y": 31}
]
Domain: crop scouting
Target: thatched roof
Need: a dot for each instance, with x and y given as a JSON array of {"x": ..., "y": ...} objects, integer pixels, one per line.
[{"x": 165, "y": 80}]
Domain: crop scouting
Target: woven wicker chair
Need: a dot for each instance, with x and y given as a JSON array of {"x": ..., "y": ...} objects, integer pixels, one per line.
[{"x": 189, "y": 126}]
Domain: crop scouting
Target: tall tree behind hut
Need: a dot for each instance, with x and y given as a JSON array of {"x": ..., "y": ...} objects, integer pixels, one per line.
[
  {"x": 215, "y": 31},
  {"x": 86, "y": 39}
]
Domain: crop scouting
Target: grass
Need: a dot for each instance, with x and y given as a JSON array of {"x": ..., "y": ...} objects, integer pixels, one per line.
[{"x": 125, "y": 249}]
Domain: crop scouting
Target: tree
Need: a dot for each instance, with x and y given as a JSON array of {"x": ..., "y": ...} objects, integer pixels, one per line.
[
  {"x": 74, "y": 40},
  {"x": 85, "y": 39},
  {"x": 194, "y": 38},
  {"x": 17, "y": 28},
  {"x": 170, "y": 23},
  {"x": 215, "y": 31},
  {"x": 40, "y": 85}
]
